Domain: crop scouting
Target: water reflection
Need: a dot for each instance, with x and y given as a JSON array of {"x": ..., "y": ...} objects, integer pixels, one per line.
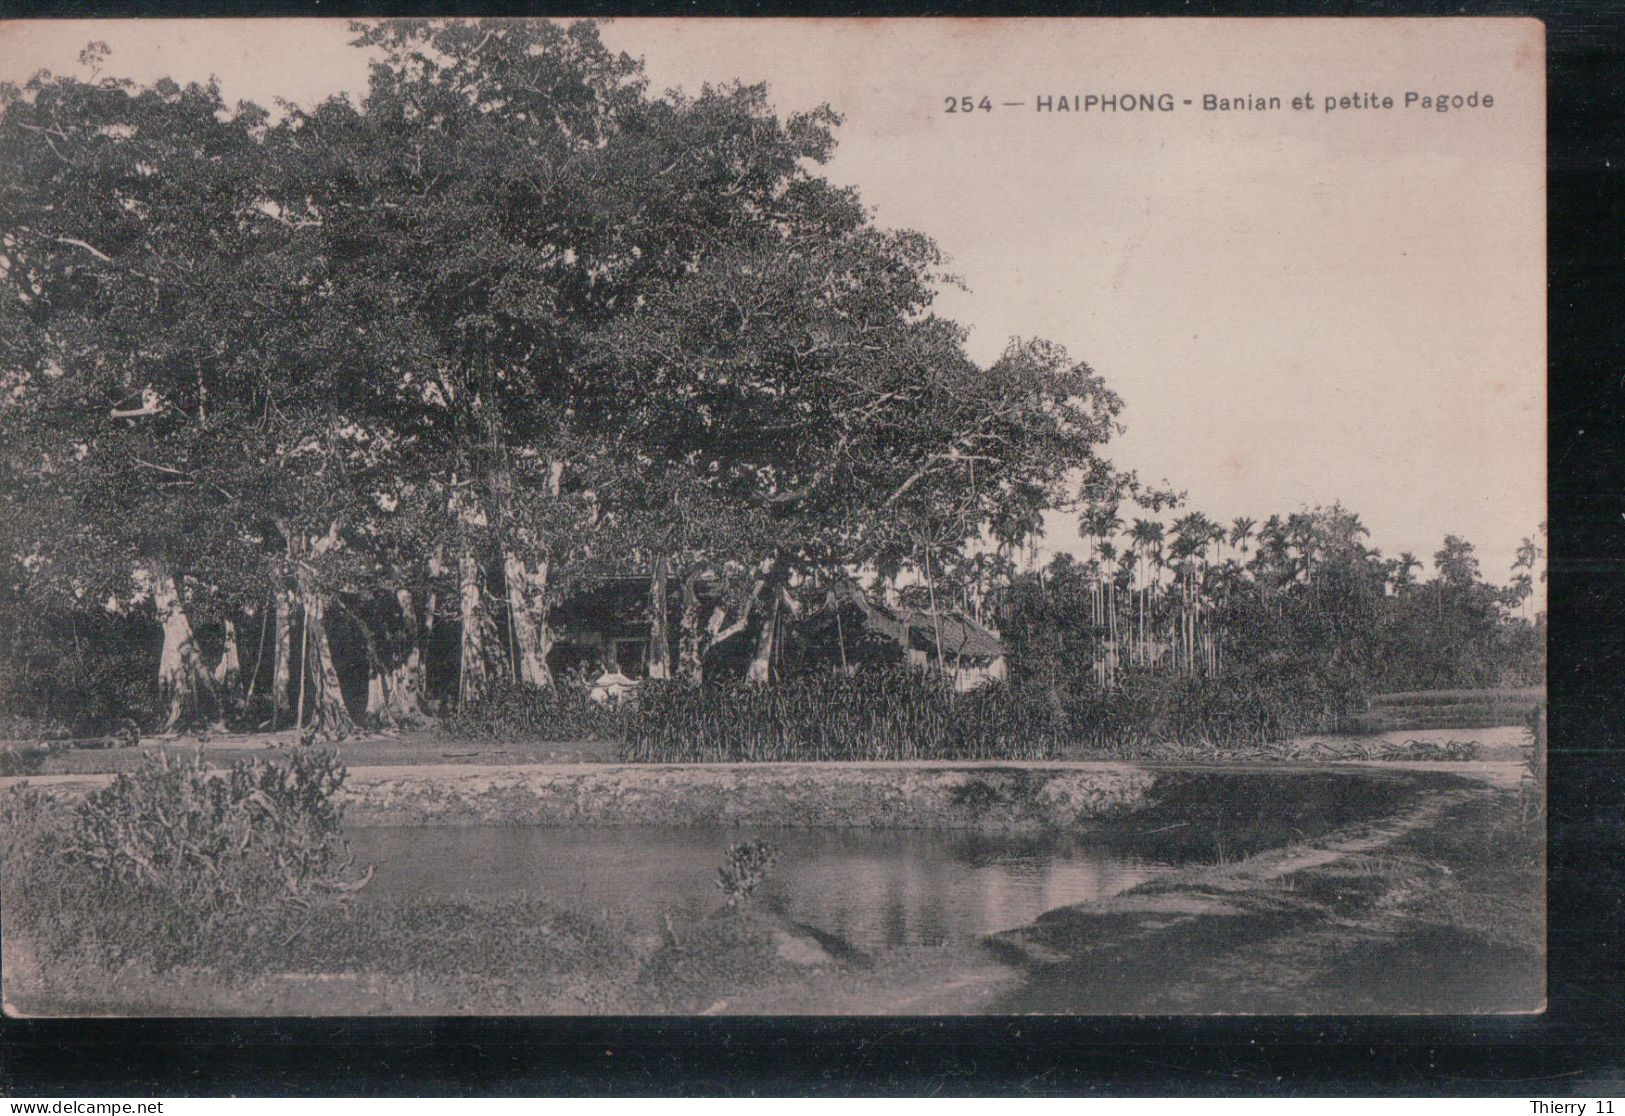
[{"x": 874, "y": 888}]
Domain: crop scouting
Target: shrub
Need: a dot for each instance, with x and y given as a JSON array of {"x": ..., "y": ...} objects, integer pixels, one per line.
[
  {"x": 174, "y": 857},
  {"x": 745, "y": 868},
  {"x": 512, "y": 713},
  {"x": 215, "y": 841},
  {"x": 31, "y": 838},
  {"x": 462, "y": 954}
]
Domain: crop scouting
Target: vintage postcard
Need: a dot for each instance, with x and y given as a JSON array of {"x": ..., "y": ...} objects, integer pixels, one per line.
[{"x": 776, "y": 516}]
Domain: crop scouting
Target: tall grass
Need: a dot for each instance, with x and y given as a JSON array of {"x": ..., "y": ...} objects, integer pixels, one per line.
[
  {"x": 904, "y": 714},
  {"x": 875, "y": 714},
  {"x": 512, "y": 712}
]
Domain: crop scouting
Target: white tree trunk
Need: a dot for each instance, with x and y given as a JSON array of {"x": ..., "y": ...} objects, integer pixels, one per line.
[
  {"x": 659, "y": 634},
  {"x": 183, "y": 680},
  {"x": 329, "y": 717},
  {"x": 394, "y": 695},
  {"x": 527, "y": 606},
  {"x": 718, "y": 627},
  {"x": 410, "y": 674},
  {"x": 395, "y": 680},
  {"x": 474, "y": 675},
  {"x": 432, "y": 603},
  {"x": 228, "y": 672},
  {"x": 282, "y": 670}
]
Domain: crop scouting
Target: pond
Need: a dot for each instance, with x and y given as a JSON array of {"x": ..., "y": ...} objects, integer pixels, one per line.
[{"x": 873, "y": 888}]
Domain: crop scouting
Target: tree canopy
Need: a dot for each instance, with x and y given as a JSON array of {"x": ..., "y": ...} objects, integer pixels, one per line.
[{"x": 505, "y": 320}]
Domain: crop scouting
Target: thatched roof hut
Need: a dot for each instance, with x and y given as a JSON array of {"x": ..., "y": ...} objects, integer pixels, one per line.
[{"x": 851, "y": 630}]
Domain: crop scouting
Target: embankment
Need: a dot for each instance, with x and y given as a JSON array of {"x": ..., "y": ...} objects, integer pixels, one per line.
[
  {"x": 1265, "y": 802},
  {"x": 870, "y": 795}
]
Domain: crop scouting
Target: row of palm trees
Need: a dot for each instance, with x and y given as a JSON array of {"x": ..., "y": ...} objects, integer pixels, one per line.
[
  {"x": 1188, "y": 548},
  {"x": 1179, "y": 577},
  {"x": 1181, "y": 594}
]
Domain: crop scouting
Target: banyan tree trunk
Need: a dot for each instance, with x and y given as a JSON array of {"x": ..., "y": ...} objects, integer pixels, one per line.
[
  {"x": 690, "y": 663},
  {"x": 183, "y": 681},
  {"x": 527, "y": 606},
  {"x": 432, "y": 602},
  {"x": 659, "y": 634},
  {"x": 474, "y": 675},
  {"x": 395, "y": 672},
  {"x": 228, "y": 672},
  {"x": 282, "y": 668},
  {"x": 329, "y": 716}
]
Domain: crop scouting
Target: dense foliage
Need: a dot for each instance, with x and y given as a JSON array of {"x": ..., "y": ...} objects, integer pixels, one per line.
[
  {"x": 385, "y": 378},
  {"x": 252, "y": 835},
  {"x": 74, "y": 672}
]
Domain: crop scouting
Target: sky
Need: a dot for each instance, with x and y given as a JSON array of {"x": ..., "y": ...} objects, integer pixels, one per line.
[{"x": 1297, "y": 306}]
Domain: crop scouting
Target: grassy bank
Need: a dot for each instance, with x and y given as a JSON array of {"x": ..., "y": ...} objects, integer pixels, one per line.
[{"x": 945, "y": 796}]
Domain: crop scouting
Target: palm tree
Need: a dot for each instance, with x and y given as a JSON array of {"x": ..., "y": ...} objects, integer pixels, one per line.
[
  {"x": 1273, "y": 544},
  {"x": 1404, "y": 568},
  {"x": 1099, "y": 523},
  {"x": 1300, "y": 534},
  {"x": 1194, "y": 533},
  {"x": 1455, "y": 562},
  {"x": 1106, "y": 589},
  {"x": 1145, "y": 538},
  {"x": 1343, "y": 528},
  {"x": 1189, "y": 539},
  {"x": 1159, "y": 563},
  {"x": 1241, "y": 532},
  {"x": 1529, "y": 553},
  {"x": 1272, "y": 565},
  {"x": 1216, "y": 536},
  {"x": 1523, "y": 587}
]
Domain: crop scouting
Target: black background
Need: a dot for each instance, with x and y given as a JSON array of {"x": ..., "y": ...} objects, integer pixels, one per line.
[{"x": 1574, "y": 1050}]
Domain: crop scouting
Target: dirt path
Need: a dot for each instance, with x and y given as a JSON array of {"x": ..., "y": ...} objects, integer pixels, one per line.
[
  {"x": 1388, "y": 917},
  {"x": 1433, "y": 908}
]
